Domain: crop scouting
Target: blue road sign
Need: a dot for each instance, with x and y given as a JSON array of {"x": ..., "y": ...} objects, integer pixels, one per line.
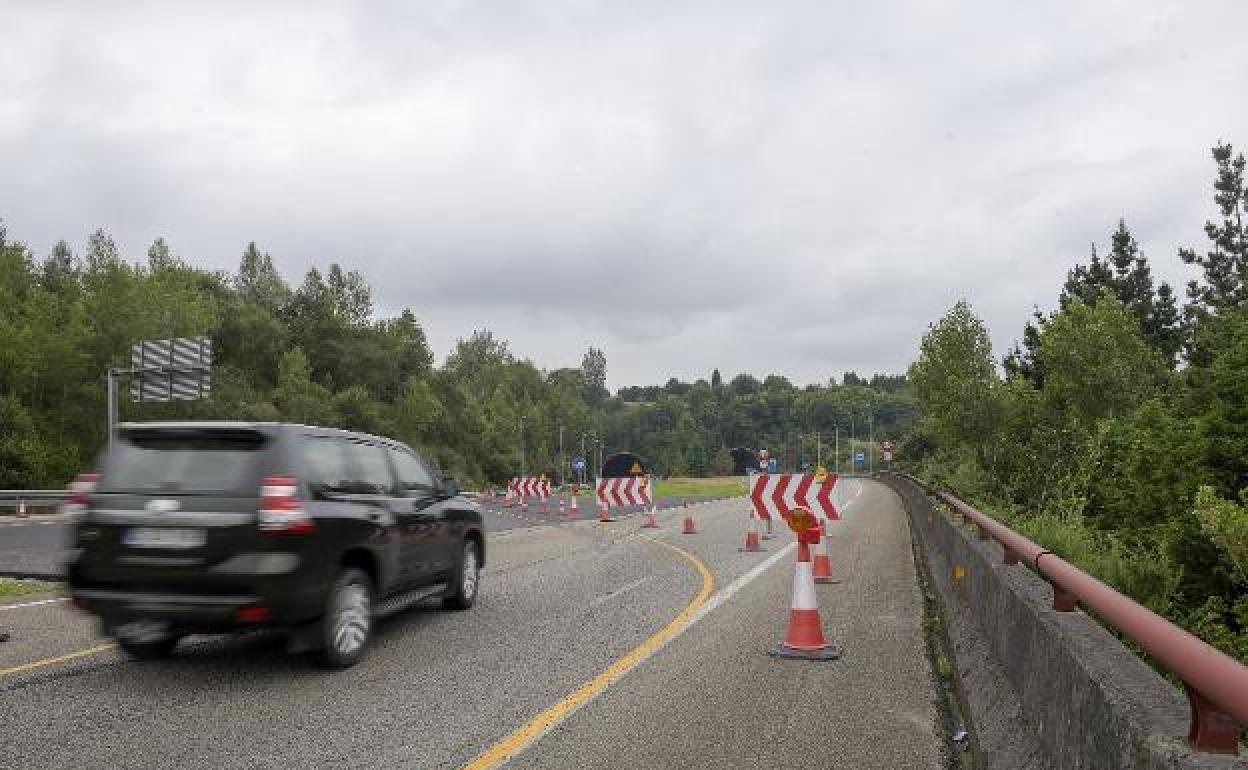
[
  {"x": 860, "y": 458},
  {"x": 772, "y": 465},
  {"x": 578, "y": 463}
]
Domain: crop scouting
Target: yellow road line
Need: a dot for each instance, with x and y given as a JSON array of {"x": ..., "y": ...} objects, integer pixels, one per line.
[
  {"x": 540, "y": 724},
  {"x": 58, "y": 659}
]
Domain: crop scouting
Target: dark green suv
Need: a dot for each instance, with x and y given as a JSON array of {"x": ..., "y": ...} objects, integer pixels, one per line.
[{"x": 210, "y": 527}]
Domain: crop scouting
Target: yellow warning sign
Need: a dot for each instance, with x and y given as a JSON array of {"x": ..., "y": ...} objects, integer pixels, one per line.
[
  {"x": 636, "y": 469},
  {"x": 821, "y": 474},
  {"x": 542, "y": 477},
  {"x": 800, "y": 520}
]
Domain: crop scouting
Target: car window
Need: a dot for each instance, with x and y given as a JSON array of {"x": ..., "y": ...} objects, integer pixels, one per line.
[
  {"x": 325, "y": 465},
  {"x": 188, "y": 461},
  {"x": 412, "y": 473},
  {"x": 371, "y": 470}
]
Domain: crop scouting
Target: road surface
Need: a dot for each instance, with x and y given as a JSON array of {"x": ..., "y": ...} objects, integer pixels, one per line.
[
  {"x": 34, "y": 546},
  {"x": 631, "y": 648}
]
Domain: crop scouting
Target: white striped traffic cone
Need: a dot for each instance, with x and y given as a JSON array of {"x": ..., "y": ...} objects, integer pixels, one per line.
[
  {"x": 21, "y": 510},
  {"x": 524, "y": 504},
  {"x": 604, "y": 513},
  {"x": 561, "y": 513},
  {"x": 545, "y": 507},
  {"x": 804, "y": 638},
  {"x": 821, "y": 567},
  {"x": 650, "y": 521},
  {"x": 574, "y": 512},
  {"x": 752, "y": 544}
]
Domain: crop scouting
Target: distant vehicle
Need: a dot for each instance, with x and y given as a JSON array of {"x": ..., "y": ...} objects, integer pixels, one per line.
[{"x": 208, "y": 527}]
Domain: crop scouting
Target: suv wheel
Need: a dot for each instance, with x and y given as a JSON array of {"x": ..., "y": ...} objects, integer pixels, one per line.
[
  {"x": 347, "y": 625},
  {"x": 463, "y": 589},
  {"x": 149, "y": 650}
]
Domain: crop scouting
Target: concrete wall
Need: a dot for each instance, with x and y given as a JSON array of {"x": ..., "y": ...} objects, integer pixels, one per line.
[{"x": 1044, "y": 688}]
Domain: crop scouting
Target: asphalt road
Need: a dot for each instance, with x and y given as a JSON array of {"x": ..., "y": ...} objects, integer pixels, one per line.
[
  {"x": 565, "y": 630},
  {"x": 34, "y": 547}
]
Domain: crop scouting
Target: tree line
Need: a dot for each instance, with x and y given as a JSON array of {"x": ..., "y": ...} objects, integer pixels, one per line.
[
  {"x": 317, "y": 353},
  {"x": 1116, "y": 431}
]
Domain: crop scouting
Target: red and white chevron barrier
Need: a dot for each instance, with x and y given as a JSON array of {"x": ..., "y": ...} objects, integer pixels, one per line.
[
  {"x": 530, "y": 486},
  {"x": 634, "y": 490},
  {"x": 778, "y": 494}
]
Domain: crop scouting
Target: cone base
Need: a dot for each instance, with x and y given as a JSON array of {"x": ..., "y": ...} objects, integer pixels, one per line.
[
  {"x": 831, "y": 652},
  {"x": 607, "y": 520},
  {"x": 650, "y": 525},
  {"x": 826, "y": 580},
  {"x": 757, "y": 549}
]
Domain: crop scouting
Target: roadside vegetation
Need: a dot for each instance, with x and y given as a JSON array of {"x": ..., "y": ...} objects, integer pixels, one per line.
[
  {"x": 1118, "y": 435},
  {"x": 10, "y": 587},
  {"x": 317, "y": 353}
]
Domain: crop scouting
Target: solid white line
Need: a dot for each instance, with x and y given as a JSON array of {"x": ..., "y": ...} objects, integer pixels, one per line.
[
  {"x": 32, "y": 604},
  {"x": 718, "y": 598}
]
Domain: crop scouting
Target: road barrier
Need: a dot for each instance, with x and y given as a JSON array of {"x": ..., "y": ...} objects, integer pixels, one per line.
[
  {"x": 22, "y": 500},
  {"x": 621, "y": 492},
  {"x": 1215, "y": 683}
]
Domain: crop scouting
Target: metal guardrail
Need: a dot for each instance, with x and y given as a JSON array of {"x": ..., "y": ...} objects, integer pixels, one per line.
[
  {"x": 18, "y": 498},
  {"x": 1216, "y": 684}
]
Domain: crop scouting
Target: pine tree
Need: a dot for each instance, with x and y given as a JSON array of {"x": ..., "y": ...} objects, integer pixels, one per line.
[{"x": 1225, "y": 265}]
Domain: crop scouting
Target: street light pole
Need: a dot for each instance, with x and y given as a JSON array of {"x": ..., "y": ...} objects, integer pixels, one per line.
[
  {"x": 522, "y": 446},
  {"x": 561, "y": 461}
]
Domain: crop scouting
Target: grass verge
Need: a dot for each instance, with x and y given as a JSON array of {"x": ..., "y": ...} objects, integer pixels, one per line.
[{"x": 11, "y": 587}]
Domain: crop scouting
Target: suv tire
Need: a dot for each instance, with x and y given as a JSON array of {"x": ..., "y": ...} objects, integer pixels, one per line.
[
  {"x": 347, "y": 625},
  {"x": 467, "y": 579}
]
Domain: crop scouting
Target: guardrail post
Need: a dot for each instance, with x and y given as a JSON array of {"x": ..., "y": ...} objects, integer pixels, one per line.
[
  {"x": 1063, "y": 600},
  {"x": 1212, "y": 729}
]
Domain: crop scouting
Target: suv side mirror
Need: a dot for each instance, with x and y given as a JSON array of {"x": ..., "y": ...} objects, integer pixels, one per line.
[{"x": 450, "y": 487}]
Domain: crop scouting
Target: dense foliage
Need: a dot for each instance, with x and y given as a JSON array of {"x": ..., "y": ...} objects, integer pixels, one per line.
[
  {"x": 1118, "y": 436},
  {"x": 316, "y": 353}
]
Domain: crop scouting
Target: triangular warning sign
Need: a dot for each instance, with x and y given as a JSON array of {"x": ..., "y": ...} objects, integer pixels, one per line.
[{"x": 636, "y": 469}]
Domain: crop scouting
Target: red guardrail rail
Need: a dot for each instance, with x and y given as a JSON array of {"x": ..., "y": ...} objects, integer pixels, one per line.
[{"x": 1216, "y": 684}]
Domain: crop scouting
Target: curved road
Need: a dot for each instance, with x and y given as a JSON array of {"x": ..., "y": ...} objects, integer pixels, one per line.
[{"x": 635, "y": 648}]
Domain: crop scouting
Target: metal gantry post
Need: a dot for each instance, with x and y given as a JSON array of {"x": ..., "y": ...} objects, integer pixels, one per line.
[{"x": 111, "y": 377}]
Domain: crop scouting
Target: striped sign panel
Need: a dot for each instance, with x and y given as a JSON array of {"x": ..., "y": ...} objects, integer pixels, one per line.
[{"x": 177, "y": 369}]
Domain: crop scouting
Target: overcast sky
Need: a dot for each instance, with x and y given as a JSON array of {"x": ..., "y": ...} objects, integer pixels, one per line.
[{"x": 797, "y": 188}]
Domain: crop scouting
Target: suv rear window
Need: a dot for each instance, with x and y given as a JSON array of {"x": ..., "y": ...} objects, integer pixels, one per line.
[{"x": 186, "y": 461}]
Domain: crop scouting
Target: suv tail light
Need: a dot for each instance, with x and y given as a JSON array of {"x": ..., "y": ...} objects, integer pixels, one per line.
[
  {"x": 280, "y": 509},
  {"x": 80, "y": 490}
]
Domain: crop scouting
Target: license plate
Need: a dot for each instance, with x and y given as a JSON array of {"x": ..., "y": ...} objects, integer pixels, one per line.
[{"x": 163, "y": 537}]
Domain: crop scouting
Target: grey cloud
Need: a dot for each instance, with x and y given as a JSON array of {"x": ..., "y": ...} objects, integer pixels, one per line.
[{"x": 795, "y": 187}]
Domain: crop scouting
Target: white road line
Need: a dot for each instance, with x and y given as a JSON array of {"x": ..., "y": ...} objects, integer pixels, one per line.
[
  {"x": 718, "y": 598},
  {"x": 621, "y": 590},
  {"x": 32, "y": 604}
]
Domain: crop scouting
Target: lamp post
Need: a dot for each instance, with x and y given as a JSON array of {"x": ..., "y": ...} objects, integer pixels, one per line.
[{"x": 522, "y": 469}]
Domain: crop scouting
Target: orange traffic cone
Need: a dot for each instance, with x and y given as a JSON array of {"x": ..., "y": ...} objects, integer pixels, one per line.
[
  {"x": 689, "y": 528},
  {"x": 604, "y": 513},
  {"x": 650, "y": 521},
  {"x": 804, "y": 638},
  {"x": 752, "y": 544},
  {"x": 574, "y": 512},
  {"x": 821, "y": 567},
  {"x": 545, "y": 507},
  {"x": 524, "y": 504}
]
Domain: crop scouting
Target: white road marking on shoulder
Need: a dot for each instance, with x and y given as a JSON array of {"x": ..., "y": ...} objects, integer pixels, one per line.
[
  {"x": 32, "y": 604},
  {"x": 621, "y": 590}
]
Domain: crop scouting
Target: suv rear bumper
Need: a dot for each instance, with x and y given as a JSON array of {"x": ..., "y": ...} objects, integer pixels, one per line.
[
  {"x": 206, "y": 602},
  {"x": 179, "y": 609}
]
